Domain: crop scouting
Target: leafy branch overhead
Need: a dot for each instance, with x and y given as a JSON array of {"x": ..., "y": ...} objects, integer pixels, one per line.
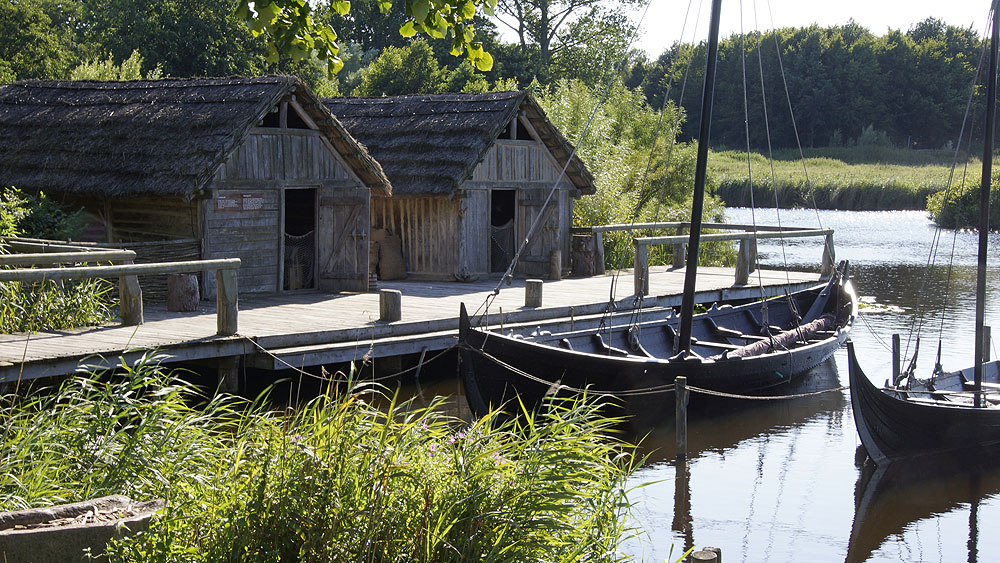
[{"x": 294, "y": 32}]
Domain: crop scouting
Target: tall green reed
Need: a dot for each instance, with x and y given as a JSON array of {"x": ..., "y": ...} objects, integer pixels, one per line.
[{"x": 354, "y": 474}]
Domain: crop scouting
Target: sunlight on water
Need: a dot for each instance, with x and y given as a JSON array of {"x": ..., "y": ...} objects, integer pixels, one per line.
[{"x": 777, "y": 481}]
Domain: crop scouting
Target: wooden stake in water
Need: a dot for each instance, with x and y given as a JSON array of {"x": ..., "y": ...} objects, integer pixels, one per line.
[{"x": 681, "y": 401}]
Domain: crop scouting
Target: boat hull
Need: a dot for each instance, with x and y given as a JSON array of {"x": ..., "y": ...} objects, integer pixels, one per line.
[
  {"x": 502, "y": 370},
  {"x": 893, "y": 427}
]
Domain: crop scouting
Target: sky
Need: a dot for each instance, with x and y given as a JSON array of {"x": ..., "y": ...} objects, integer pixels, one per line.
[{"x": 664, "y": 21}]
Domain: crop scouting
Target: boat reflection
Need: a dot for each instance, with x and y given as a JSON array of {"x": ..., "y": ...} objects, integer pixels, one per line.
[
  {"x": 717, "y": 423},
  {"x": 890, "y": 499}
]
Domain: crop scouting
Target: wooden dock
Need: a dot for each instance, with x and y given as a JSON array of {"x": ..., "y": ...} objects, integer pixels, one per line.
[{"x": 306, "y": 328}]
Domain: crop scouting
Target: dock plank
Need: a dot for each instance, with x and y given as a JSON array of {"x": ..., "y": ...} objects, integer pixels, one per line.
[{"x": 321, "y": 327}]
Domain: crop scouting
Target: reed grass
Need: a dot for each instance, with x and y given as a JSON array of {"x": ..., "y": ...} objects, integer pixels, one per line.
[
  {"x": 54, "y": 305},
  {"x": 336, "y": 479},
  {"x": 853, "y": 179}
]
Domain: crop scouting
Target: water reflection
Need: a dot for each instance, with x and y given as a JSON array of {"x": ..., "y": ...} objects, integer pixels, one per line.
[{"x": 889, "y": 500}]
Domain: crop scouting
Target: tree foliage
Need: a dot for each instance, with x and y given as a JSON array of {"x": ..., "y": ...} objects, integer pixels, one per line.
[{"x": 840, "y": 80}]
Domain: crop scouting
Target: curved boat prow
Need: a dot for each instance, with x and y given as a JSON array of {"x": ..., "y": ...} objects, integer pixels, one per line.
[{"x": 864, "y": 400}]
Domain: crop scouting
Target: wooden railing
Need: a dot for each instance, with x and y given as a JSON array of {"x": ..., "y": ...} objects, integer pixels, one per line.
[
  {"x": 746, "y": 257},
  {"x": 126, "y": 272}
]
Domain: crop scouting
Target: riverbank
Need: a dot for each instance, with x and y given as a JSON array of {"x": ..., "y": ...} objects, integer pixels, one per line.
[{"x": 844, "y": 178}]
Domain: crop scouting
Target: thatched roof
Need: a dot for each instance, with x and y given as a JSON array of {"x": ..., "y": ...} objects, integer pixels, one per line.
[
  {"x": 153, "y": 137},
  {"x": 431, "y": 144}
]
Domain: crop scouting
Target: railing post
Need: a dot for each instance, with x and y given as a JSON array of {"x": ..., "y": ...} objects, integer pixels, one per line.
[
  {"x": 130, "y": 295},
  {"x": 641, "y": 265},
  {"x": 829, "y": 258},
  {"x": 743, "y": 262},
  {"x": 679, "y": 259},
  {"x": 599, "y": 252},
  {"x": 131, "y": 300},
  {"x": 226, "y": 301}
]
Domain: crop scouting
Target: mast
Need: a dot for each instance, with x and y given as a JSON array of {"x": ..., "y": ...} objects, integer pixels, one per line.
[
  {"x": 698, "y": 200},
  {"x": 984, "y": 205}
]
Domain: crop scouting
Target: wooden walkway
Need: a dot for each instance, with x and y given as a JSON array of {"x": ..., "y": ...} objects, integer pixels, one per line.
[{"x": 309, "y": 328}]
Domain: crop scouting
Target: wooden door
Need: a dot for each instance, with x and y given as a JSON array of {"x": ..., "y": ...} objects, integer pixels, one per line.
[
  {"x": 534, "y": 259},
  {"x": 343, "y": 239}
]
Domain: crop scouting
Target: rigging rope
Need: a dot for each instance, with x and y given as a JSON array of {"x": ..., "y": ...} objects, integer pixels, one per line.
[{"x": 509, "y": 273}]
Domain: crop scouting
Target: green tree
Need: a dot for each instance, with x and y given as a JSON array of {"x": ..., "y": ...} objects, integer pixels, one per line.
[
  {"x": 293, "y": 29},
  {"x": 184, "y": 37},
  {"x": 567, "y": 33},
  {"x": 413, "y": 69},
  {"x": 129, "y": 69},
  {"x": 38, "y": 38}
]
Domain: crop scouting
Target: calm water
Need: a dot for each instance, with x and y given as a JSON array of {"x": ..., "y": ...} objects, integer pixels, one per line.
[{"x": 778, "y": 481}]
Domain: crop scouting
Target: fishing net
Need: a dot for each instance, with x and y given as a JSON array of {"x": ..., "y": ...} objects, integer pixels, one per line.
[{"x": 300, "y": 260}]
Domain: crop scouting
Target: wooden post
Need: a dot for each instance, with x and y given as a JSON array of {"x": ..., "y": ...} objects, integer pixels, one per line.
[
  {"x": 532, "y": 293},
  {"x": 182, "y": 292},
  {"x": 226, "y": 303},
  {"x": 743, "y": 262},
  {"x": 229, "y": 374},
  {"x": 390, "y": 305},
  {"x": 555, "y": 265},
  {"x": 679, "y": 259},
  {"x": 680, "y": 402},
  {"x": 131, "y": 300},
  {"x": 641, "y": 272},
  {"x": 895, "y": 359},
  {"x": 829, "y": 258},
  {"x": 709, "y": 554},
  {"x": 599, "y": 252}
]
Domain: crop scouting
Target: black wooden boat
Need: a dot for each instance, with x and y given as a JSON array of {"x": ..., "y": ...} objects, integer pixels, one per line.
[
  {"x": 738, "y": 350},
  {"x": 925, "y": 417},
  {"x": 731, "y": 351},
  {"x": 952, "y": 413}
]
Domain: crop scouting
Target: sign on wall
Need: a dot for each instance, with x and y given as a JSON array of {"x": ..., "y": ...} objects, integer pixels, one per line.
[{"x": 239, "y": 202}]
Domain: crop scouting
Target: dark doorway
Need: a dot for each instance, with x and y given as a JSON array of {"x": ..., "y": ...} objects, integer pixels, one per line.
[
  {"x": 300, "y": 238},
  {"x": 503, "y": 204}
]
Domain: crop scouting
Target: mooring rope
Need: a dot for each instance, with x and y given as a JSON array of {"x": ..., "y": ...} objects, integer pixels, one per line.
[
  {"x": 657, "y": 389},
  {"x": 366, "y": 359}
]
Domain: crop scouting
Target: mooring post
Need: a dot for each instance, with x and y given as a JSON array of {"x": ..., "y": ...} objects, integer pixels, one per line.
[
  {"x": 599, "y": 252},
  {"x": 681, "y": 401},
  {"x": 555, "y": 265},
  {"x": 532, "y": 293},
  {"x": 390, "y": 305},
  {"x": 829, "y": 258},
  {"x": 709, "y": 554},
  {"x": 895, "y": 358},
  {"x": 743, "y": 262},
  {"x": 226, "y": 302},
  {"x": 679, "y": 259},
  {"x": 641, "y": 273},
  {"x": 229, "y": 374},
  {"x": 131, "y": 300}
]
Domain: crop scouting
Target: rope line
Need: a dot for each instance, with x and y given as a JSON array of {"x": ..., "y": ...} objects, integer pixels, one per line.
[
  {"x": 656, "y": 389},
  {"x": 366, "y": 359}
]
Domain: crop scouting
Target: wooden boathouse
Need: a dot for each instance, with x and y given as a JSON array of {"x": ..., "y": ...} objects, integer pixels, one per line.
[
  {"x": 250, "y": 168},
  {"x": 470, "y": 174}
]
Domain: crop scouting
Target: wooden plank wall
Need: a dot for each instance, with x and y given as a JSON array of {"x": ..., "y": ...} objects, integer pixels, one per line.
[
  {"x": 428, "y": 227},
  {"x": 286, "y": 155},
  {"x": 517, "y": 161},
  {"x": 474, "y": 232},
  {"x": 253, "y": 236},
  {"x": 268, "y": 161}
]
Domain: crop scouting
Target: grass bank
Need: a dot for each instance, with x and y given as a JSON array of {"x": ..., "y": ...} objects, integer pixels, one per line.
[
  {"x": 846, "y": 178},
  {"x": 335, "y": 479}
]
